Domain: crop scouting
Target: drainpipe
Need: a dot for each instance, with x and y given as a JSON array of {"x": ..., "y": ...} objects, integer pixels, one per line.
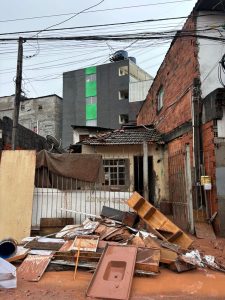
[{"x": 145, "y": 170}]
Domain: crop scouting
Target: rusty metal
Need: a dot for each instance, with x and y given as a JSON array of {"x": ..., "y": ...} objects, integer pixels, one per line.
[
  {"x": 177, "y": 189},
  {"x": 114, "y": 273},
  {"x": 33, "y": 267}
]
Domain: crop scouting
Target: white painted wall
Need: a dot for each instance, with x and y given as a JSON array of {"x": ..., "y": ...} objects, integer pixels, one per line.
[
  {"x": 138, "y": 90},
  {"x": 210, "y": 52},
  {"x": 221, "y": 126}
]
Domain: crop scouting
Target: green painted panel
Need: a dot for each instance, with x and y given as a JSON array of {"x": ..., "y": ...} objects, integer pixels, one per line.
[
  {"x": 91, "y": 111},
  {"x": 90, "y": 70},
  {"x": 90, "y": 89}
]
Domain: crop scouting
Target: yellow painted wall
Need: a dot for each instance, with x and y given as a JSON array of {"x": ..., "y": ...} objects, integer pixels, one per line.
[{"x": 160, "y": 163}]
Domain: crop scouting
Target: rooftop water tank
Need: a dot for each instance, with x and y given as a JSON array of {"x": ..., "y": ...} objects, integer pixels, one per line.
[
  {"x": 120, "y": 55},
  {"x": 133, "y": 59}
]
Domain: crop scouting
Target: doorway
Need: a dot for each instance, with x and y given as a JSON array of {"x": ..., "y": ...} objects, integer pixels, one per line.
[{"x": 139, "y": 179}]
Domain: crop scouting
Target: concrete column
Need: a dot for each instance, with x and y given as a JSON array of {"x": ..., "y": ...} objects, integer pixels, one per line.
[{"x": 145, "y": 170}]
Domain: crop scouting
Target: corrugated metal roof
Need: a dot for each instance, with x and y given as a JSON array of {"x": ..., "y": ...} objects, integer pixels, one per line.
[{"x": 126, "y": 136}]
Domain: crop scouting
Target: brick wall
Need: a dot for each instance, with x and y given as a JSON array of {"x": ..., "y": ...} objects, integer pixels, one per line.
[
  {"x": 210, "y": 167},
  {"x": 176, "y": 75}
]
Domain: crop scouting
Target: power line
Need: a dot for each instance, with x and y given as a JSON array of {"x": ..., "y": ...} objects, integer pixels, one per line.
[
  {"x": 101, "y": 25},
  {"x": 74, "y": 15},
  {"x": 93, "y": 11},
  {"x": 125, "y": 37}
]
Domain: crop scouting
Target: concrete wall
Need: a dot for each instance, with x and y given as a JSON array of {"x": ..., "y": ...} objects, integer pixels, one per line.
[
  {"x": 73, "y": 104},
  {"x": 128, "y": 152},
  {"x": 210, "y": 52},
  {"x": 26, "y": 139},
  {"x": 42, "y": 115},
  {"x": 109, "y": 106}
]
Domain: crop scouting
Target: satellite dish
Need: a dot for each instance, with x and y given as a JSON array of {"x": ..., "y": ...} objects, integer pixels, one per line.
[{"x": 53, "y": 142}]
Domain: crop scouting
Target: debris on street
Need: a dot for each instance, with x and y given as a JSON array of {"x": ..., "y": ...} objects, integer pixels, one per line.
[{"x": 111, "y": 249}]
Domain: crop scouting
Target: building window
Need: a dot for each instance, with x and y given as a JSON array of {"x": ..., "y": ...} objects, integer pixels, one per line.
[
  {"x": 115, "y": 171},
  {"x": 91, "y": 100},
  {"x": 123, "y": 119},
  {"x": 91, "y": 77},
  {"x": 22, "y": 107},
  {"x": 123, "y": 71},
  {"x": 91, "y": 122},
  {"x": 160, "y": 96},
  {"x": 123, "y": 94}
]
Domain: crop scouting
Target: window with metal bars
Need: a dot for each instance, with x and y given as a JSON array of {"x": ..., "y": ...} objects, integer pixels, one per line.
[{"x": 115, "y": 171}]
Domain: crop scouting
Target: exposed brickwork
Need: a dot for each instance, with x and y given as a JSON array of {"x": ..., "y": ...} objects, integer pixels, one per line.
[
  {"x": 210, "y": 166},
  {"x": 176, "y": 75}
]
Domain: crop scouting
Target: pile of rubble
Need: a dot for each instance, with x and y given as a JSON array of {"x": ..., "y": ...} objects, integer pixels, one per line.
[{"x": 114, "y": 246}]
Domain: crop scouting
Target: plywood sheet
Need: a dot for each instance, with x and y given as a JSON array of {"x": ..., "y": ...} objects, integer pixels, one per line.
[{"x": 17, "y": 170}]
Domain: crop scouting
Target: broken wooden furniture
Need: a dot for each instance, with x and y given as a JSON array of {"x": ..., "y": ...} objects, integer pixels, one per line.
[{"x": 158, "y": 223}]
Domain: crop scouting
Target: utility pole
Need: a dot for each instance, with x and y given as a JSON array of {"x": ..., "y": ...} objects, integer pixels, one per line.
[{"x": 17, "y": 92}]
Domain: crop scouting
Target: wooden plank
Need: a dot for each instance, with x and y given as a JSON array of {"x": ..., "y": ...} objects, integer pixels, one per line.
[
  {"x": 85, "y": 243},
  {"x": 17, "y": 170},
  {"x": 43, "y": 243},
  {"x": 158, "y": 222},
  {"x": 204, "y": 230},
  {"x": 33, "y": 267},
  {"x": 167, "y": 256},
  {"x": 148, "y": 259}
]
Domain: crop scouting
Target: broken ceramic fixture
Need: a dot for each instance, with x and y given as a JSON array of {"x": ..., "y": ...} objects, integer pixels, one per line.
[{"x": 114, "y": 273}]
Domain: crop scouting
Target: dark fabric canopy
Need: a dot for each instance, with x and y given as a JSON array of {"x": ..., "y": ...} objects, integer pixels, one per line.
[{"x": 84, "y": 167}]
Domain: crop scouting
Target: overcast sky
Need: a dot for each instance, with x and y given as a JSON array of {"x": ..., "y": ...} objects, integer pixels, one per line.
[{"x": 45, "y": 62}]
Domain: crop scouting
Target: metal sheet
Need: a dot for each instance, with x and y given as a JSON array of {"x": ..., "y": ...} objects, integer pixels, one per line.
[
  {"x": 220, "y": 175},
  {"x": 33, "y": 267},
  {"x": 114, "y": 274}
]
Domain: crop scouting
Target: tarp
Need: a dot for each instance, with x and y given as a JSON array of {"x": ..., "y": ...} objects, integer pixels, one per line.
[{"x": 84, "y": 167}]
